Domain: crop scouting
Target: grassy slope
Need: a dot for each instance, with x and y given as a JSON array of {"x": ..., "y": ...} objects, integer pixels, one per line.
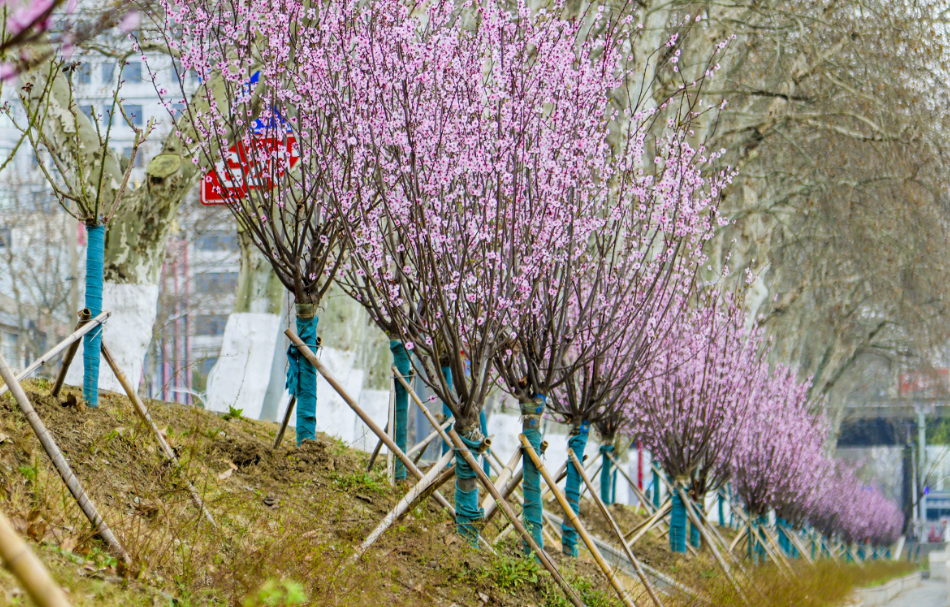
[{"x": 293, "y": 516}]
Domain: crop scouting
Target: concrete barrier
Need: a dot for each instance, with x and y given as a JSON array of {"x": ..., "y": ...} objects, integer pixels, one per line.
[
  {"x": 880, "y": 595},
  {"x": 938, "y": 564}
]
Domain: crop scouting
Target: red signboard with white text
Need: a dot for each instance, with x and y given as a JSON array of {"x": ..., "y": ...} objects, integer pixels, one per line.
[
  {"x": 242, "y": 172},
  {"x": 932, "y": 383}
]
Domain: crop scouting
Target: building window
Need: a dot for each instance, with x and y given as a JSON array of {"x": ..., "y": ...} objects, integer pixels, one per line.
[
  {"x": 132, "y": 71},
  {"x": 206, "y": 365},
  {"x": 134, "y": 112},
  {"x": 139, "y": 157},
  {"x": 216, "y": 282},
  {"x": 84, "y": 74},
  {"x": 89, "y": 111},
  {"x": 218, "y": 240},
  {"x": 6, "y": 237},
  {"x": 108, "y": 71},
  {"x": 8, "y": 347},
  {"x": 211, "y": 325}
]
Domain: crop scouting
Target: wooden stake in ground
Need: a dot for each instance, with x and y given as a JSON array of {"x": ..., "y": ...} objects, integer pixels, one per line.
[
  {"x": 72, "y": 340},
  {"x": 285, "y": 423},
  {"x": 572, "y": 517},
  {"x": 321, "y": 368},
  {"x": 143, "y": 413},
  {"x": 28, "y": 569},
  {"x": 546, "y": 561},
  {"x": 62, "y": 466},
  {"x": 613, "y": 524},
  {"x": 84, "y": 315},
  {"x": 403, "y": 505},
  {"x": 712, "y": 546}
]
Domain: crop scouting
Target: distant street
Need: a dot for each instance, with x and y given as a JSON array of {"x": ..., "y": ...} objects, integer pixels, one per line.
[{"x": 930, "y": 593}]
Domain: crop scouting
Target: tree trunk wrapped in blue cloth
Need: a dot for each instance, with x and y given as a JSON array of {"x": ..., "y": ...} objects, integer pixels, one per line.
[
  {"x": 572, "y": 490},
  {"x": 467, "y": 511},
  {"x": 605, "y": 476},
  {"x": 401, "y": 362},
  {"x": 302, "y": 376},
  {"x": 533, "y": 507},
  {"x": 92, "y": 341},
  {"x": 656, "y": 489},
  {"x": 677, "y": 522},
  {"x": 694, "y": 538}
]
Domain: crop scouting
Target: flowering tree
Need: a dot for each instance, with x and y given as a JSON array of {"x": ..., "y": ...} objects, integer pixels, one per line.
[
  {"x": 698, "y": 393},
  {"x": 778, "y": 448},
  {"x": 277, "y": 136},
  {"x": 483, "y": 151}
]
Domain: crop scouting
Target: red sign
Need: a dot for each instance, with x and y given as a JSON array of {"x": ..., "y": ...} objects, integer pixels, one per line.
[
  {"x": 925, "y": 384},
  {"x": 231, "y": 181}
]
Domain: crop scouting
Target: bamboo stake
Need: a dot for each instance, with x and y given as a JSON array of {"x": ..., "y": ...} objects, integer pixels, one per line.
[
  {"x": 62, "y": 466},
  {"x": 539, "y": 553},
  {"x": 793, "y": 536},
  {"x": 712, "y": 546},
  {"x": 652, "y": 521},
  {"x": 767, "y": 532},
  {"x": 738, "y": 538},
  {"x": 319, "y": 366},
  {"x": 66, "y": 343},
  {"x": 391, "y": 430},
  {"x": 28, "y": 568},
  {"x": 640, "y": 496},
  {"x": 147, "y": 419},
  {"x": 762, "y": 537},
  {"x": 379, "y": 447},
  {"x": 613, "y": 524},
  {"x": 84, "y": 315},
  {"x": 419, "y": 448},
  {"x": 506, "y": 472},
  {"x": 572, "y": 517},
  {"x": 508, "y": 490},
  {"x": 403, "y": 505},
  {"x": 443, "y": 478},
  {"x": 285, "y": 423}
]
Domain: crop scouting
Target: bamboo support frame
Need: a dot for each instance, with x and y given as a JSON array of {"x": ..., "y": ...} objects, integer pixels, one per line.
[
  {"x": 575, "y": 521},
  {"x": 424, "y": 443},
  {"x": 73, "y": 339},
  {"x": 143, "y": 413},
  {"x": 285, "y": 423},
  {"x": 28, "y": 569},
  {"x": 506, "y": 509},
  {"x": 404, "y": 504},
  {"x": 651, "y": 522},
  {"x": 500, "y": 482},
  {"x": 62, "y": 466},
  {"x": 379, "y": 447},
  {"x": 319, "y": 366},
  {"x": 640, "y": 496},
  {"x": 613, "y": 524},
  {"x": 84, "y": 316},
  {"x": 712, "y": 546}
]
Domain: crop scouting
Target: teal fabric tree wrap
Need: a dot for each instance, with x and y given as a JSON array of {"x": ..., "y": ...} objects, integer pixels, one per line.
[
  {"x": 722, "y": 517},
  {"x": 782, "y": 539},
  {"x": 605, "y": 475},
  {"x": 467, "y": 511},
  {"x": 401, "y": 362},
  {"x": 483, "y": 424},
  {"x": 613, "y": 488},
  {"x": 302, "y": 376},
  {"x": 446, "y": 412},
  {"x": 92, "y": 341},
  {"x": 572, "y": 489},
  {"x": 694, "y": 538},
  {"x": 677, "y": 523},
  {"x": 656, "y": 490},
  {"x": 533, "y": 507}
]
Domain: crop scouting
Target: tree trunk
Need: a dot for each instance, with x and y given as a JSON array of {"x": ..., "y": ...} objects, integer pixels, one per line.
[
  {"x": 572, "y": 489},
  {"x": 533, "y": 505}
]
